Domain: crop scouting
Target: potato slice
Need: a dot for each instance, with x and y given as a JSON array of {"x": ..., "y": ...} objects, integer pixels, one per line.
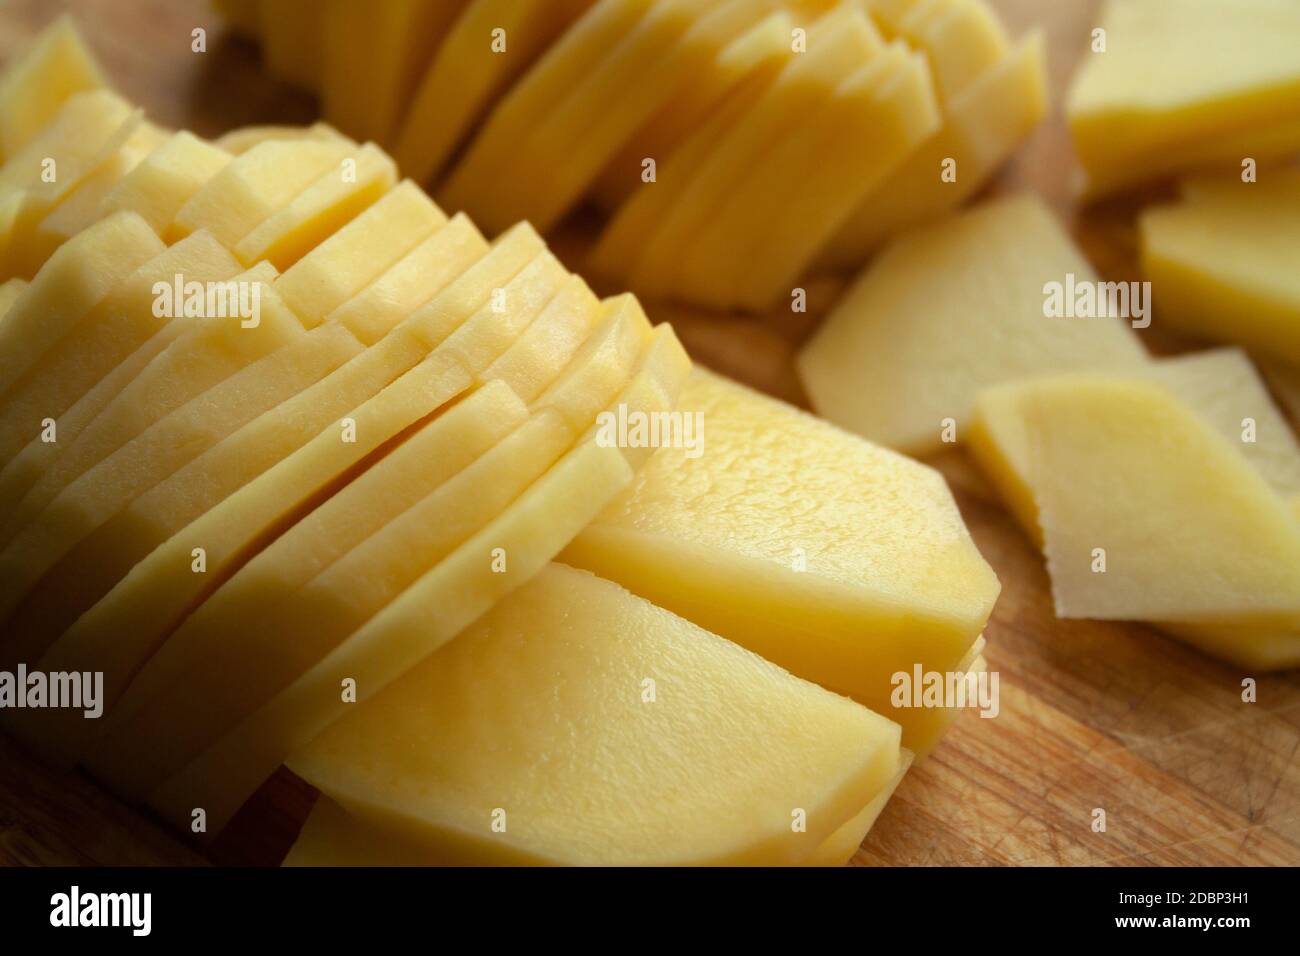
[
  {"x": 1222, "y": 266},
  {"x": 982, "y": 125},
  {"x": 1220, "y": 385},
  {"x": 124, "y": 321},
  {"x": 1191, "y": 532},
  {"x": 166, "y": 180},
  {"x": 320, "y": 210},
  {"x": 758, "y": 535},
  {"x": 84, "y": 206},
  {"x": 373, "y": 57},
  {"x": 469, "y": 73},
  {"x": 69, "y": 287},
  {"x": 241, "y": 140},
  {"x": 971, "y": 292},
  {"x": 754, "y": 251},
  {"x": 10, "y": 290},
  {"x": 1210, "y": 78},
  {"x": 347, "y": 262},
  {"x": 123, "y": 629},
  {"x": 34, "y": 87},
  {"x": 500, "y": 557},
  {"x": 607, "y": 752},
  {"x": 112, "y": 542},
  {"x": 252, "y": 187}
]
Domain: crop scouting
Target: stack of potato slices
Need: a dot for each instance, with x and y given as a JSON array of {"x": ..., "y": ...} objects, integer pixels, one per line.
[
  {"x": 735, "y": 146},
  {"x": 287, "y": 455}
]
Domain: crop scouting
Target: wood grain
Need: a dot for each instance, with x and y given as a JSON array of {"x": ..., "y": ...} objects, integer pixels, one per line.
[{"x": 1093, "y": 715}]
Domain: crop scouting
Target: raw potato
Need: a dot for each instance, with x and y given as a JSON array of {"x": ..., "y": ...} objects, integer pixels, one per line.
[
  {"x": 348, "y": 261},
  {"x": 469, "y": 72},
  {"x": 166, "y": 180},
  {"x": 240, "y": 141},
  {"x": 318, "y": 212},
  {"x": 122, "y": 322},
  {"x": 9, "y": 293},
  {"x": 755, "y": 51},
  {"x": 961, "y": 39},
  {"x": 1220, "y": 385},
  {"x": 257, "y": 184},
  {"x": 152, "y": 599},
  {"x": 838, "y": 44},
  {"x": 983, "y": 125},
  {"x": 946, "y": 311},
  {"x": 840, "y": 561},
  {"x": 772, "y": 226},
  {"x": 502, "y": 556},
  {"x": 328, "y": 550},
  {"x": 86, "y": 132},
  {"x": 33, "y": 89},
  {"x": 67, "y": 289},
  {"x": 1185, "y": 82},
  {"x": 1222, "y": 264},
  {"x": 107, "y": 551},
  {"x": 1191, "y": 531},
  {"x": 647, "y": 60},
  {"x": 628, "y": 782},
  {"x": 373, "y": 57},
  {"x": 84, "y": 205}
]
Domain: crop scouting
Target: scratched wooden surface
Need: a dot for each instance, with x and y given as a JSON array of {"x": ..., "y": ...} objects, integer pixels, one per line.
[{"x": 1093, "y": 715}]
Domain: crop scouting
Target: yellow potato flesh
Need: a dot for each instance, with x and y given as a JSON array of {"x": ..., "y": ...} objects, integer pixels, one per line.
[
  {"x": 871, "y": 123},
  {"x": 373, "y": 57},
  {"x": 84, "y": 206},
  {"x": 1191, "y": 532},
  {"x": 108, "y": 336},
  {"x": 763, "y": 539},
  {"x": 33, "y": 89},
  {"x": 462, "y": 586},
  {"x": 652, "y": 789},
  {"x": 1206, "y": 72},
  {"x": 70, "y": 286},
  {"x": 86, "y": 132},
  {"x": 320, "y": 210},
  {"x": 1223, "y": 267},
  {"x": 108, "y": 552},
  {"x": 972, "y": 291},
  {"x": 166, "y": 180},
  {"x": 252, "y": 187},
  {"x": 348, "y": 261},
  {"x": 837, "y": 45},
  {"x": 469, "y": 73},
  {"x": 765, "y": 42},
  {"x": 1221, "y": 386},
  {"x": 982, "y": 125}
]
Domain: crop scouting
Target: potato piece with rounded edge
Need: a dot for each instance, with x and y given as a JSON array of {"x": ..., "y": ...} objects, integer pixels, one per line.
[
  {"x": 754, "y": 526},
  {"x": 462, "y": 586},
  {"x": 973, "y": 290},
  {"x": 1189, "y": 530},
  {"x": 795, "y": 746},
  {"x": 106, "y": 553},
  {"x": 122, "y": 322},
  {"x": 241, "y": 140}
]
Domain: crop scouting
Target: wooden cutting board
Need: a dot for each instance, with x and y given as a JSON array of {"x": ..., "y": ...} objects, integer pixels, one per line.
[{"x": 1093, "y": 715}]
